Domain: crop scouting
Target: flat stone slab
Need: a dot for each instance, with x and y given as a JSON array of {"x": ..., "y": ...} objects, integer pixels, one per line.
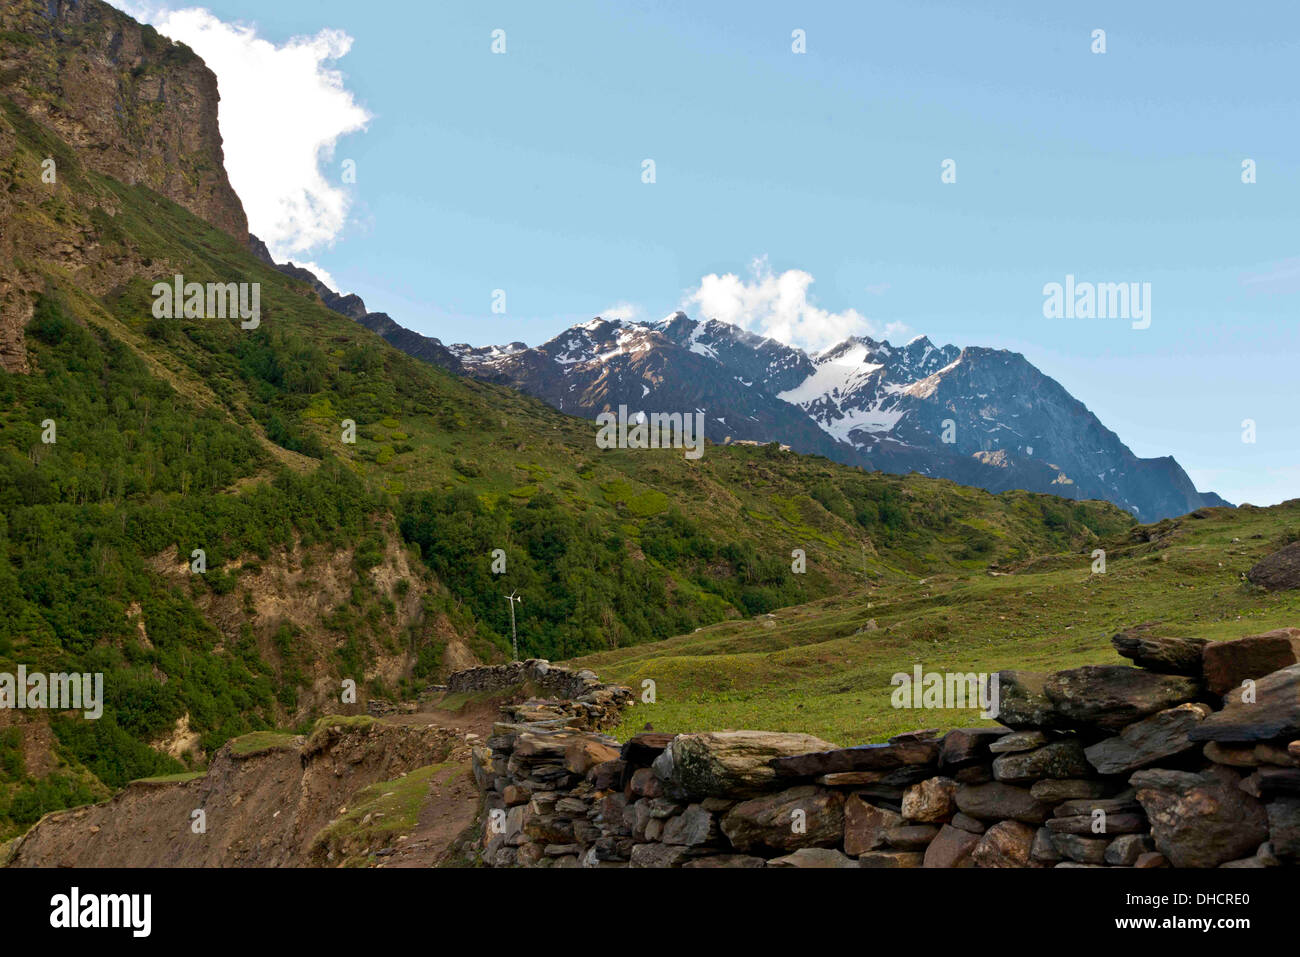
[
  {"x": 1171, "y": 656},
  {"x": 1112, "y": 696},
  {"x": 1145, "y": 742},
  {"x": 1274, "y": 713},
  {"x": 1228, "y": 663},
  {"x": 866, "y": 757}
]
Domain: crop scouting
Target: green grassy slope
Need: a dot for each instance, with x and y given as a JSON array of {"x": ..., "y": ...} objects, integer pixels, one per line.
[{"x": 816, "y": 668}]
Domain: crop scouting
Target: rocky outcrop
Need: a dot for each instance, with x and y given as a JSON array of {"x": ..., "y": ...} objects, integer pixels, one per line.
[
  {"x": 131, "y": 103},
  {"x": 578, "y": 699},
  {"x": 1116, "y": 774},
  {"x": 1279, "y": 571}
]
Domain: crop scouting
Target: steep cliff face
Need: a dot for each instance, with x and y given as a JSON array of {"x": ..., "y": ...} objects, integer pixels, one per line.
[
  {"x": 84, "y": 89},
  {"x": 131, "y": 103}
]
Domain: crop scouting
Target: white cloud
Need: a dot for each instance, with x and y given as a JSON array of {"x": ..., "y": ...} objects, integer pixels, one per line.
[
  {"x": 283, "y": 110},
  {"x": 625, "y": 311},
  {"x": 321, "y": 273},
  {"x": 778, "y": 306}
]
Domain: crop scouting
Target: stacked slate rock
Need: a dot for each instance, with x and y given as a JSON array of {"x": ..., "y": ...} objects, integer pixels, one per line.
[
  {"x": 580, "y": 699},
  {"x": 1190, "y": 759}
]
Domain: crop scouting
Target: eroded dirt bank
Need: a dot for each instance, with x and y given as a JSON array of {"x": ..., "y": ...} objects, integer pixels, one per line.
[{"x": 355, "y": 792}]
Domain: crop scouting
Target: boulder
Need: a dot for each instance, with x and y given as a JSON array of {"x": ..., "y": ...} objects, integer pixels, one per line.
[
  {"x": 865, "y": 825},
  {"x": 1125, "y": 850},
  {"x": 1274, "y": 712},
  {"x": 1112, "y": 696},
  {"x": 1279, "y": 571},
  {"x": 814, "y": 857},
  {"x": 730, "y": 763},
  {"x": 803, "y": 816},
  {"x": 950, "y": 848},
  {"x": 1228, "y": 663},
  {"x": 1044, "y": 849},
  {"x": 930, "y": 801},
  {"x": 1200, "y": 820},
  {"x": 644, "y": 783},
  {"x": 1170, "y": 656},
  {"x": 1150, "y": 859},
  {"x": 997, "y": 801},
  {"x": 692, "y": 827},
  {"x": 1023, "y": 701},
  {"x": 1060, "y": 759},
  {"x": 1163, "y": 735},
  {"x": 1005, "y": 844}
]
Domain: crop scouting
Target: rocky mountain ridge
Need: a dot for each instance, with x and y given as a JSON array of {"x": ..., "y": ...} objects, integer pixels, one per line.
[{"x": 979, "y": 416}]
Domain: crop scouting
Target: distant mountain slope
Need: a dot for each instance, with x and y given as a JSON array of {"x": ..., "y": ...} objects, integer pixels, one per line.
[{"x": 983, "y": 417}]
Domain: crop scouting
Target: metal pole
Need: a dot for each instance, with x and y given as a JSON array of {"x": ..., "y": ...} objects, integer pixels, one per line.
[{"x": 514, "y": 638}]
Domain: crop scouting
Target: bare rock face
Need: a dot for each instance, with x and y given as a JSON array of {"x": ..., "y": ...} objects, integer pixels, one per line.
[
  {"x": 1201, "y": 820},
  {"x": 1279, "y": 571},
  {"x": 133, "y": 104},
  {"x": 1228, "y": 663}
]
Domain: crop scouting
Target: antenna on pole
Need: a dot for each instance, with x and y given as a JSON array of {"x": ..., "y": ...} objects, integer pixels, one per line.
[{"x": 514, "y": 597}]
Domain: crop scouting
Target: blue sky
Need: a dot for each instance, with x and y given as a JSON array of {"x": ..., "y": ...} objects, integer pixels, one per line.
[{"x": 523, "y": 172}]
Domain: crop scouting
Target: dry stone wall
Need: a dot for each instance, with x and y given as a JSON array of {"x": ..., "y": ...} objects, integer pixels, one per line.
[
  {"x": 1099, "y": 766},
  {"x": 578, "y": 699}
]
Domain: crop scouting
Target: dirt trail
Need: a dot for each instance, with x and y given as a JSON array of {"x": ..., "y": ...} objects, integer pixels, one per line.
[{"x": 451, "y": 806}]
